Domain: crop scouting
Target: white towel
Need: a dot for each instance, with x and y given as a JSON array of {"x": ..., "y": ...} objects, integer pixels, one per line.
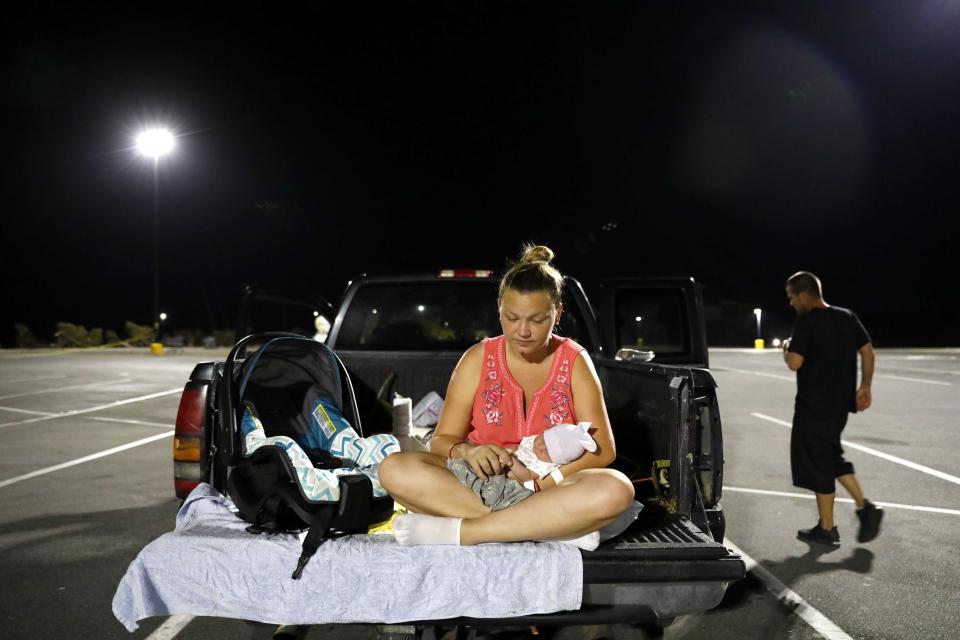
[{"x": 210, "y": 566}]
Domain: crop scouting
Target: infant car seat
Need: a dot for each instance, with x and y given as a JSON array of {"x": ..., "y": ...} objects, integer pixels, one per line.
[{"x": 296, "y": 461}]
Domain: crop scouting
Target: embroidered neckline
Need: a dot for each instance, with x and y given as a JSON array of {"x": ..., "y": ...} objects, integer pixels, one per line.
[{"x": 524, "y": 422}]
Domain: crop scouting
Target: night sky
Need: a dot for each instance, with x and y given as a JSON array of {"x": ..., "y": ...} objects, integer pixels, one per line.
[{"x": 635, "y": 138}]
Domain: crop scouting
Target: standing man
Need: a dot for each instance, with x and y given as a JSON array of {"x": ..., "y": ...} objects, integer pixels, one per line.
[{"x": 823, "y": 351}]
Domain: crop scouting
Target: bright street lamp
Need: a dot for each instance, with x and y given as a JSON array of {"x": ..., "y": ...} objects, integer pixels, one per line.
[{"x": 155, "y": 143}]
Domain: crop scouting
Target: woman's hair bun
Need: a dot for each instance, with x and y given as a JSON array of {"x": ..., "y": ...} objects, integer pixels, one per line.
[
  {"x": 536, "y": 253},
  {"x": 533, "y": 272}
]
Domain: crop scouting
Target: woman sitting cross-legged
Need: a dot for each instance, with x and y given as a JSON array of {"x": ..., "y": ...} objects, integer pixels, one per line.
[{"x": 504, "y": 389}]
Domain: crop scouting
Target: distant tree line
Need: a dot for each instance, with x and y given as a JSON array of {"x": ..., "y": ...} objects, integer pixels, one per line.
[{"x": 70, "y": 335}]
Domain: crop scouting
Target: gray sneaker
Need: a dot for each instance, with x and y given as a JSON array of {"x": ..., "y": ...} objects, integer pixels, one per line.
[
  {"x": 870, "y": 516},
  {"x": 819, "y": 535}
]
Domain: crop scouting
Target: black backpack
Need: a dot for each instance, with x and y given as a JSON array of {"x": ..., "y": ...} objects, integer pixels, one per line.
[{"x": 287, "y": 373}]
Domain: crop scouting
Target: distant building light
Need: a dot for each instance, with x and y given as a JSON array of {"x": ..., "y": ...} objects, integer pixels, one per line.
[
  {"x": 374, "y": 312},
  {"x": 638, "y": 319},
  {"x": 420, "y": 307}
]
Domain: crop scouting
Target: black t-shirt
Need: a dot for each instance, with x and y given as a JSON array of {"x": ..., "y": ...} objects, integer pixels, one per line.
[{"x": 828, "y": 339}]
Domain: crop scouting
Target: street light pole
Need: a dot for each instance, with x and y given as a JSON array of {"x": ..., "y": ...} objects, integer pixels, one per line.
[
  {"x": 154, "y": 143},
  {"x": 156, "y": 247},
  {"x": 758, "y": 343}
]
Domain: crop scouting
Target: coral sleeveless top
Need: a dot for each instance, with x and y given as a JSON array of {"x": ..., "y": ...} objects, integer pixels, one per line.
[{"x": 498, "y": 406}]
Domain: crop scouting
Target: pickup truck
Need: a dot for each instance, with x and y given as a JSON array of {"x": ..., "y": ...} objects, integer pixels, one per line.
[{"x": 405, "y": 334}]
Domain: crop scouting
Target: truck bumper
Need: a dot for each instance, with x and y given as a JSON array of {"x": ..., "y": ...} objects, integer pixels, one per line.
[{"x": 697, "y": 586}]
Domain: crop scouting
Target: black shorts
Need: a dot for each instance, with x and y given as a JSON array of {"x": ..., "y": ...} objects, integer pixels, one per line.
[{"x": 816, "y": 457}]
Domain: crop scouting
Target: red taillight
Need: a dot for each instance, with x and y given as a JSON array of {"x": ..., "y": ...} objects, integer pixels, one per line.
[
  {"x": 188, "y": 437},
  {"x": 184, "y": 487},
  {"x": 193, "y": 402},
  {"x": 465, "y": 273}
]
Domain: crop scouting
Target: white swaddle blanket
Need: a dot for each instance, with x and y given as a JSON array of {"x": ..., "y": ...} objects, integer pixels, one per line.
[{"x": 210, "y": 566}]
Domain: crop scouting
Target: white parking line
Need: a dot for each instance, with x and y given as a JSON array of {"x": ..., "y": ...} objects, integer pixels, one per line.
[
  {"x": 170, "y": 627},
  {"x": 908, "y": 379},
  {"x": 27, "y": 411},
  {"x": 810, "y": 496},
  {"x": 880, "y": 454},
  {"x": 100, "y": 407},
  {"x": 804, "y": 610},
  {"x": 34, "y": 379},
  {"x": 792, "y": 379},
  {"x": 91, "y": 385},
  {"x": 919, "y": 370},
  {"x": 140, "y": 422},
  {"x": 756, "y": 373},
  {"x": 93, "y": 456}
]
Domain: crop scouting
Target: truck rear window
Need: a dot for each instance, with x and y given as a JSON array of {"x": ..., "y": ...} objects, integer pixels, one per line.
[
  {"x": 420, "y": 316},
  {"x": 431, "y": 315}
]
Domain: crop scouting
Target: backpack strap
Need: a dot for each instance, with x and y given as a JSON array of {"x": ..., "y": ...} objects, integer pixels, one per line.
[
  {"x": 351, "y": 514},
  {"x": 315, "y": 537}
]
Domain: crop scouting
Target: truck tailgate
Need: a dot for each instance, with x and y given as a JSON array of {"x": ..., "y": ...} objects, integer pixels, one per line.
[
  {"x": 660, "y": 536},
  {"x": 661, "y": 567}
]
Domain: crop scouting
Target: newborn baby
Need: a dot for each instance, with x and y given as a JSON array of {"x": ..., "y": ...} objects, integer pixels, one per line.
[{"x": 557, "y": 445}]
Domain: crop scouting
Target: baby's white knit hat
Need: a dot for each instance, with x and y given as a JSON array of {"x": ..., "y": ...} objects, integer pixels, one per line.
[{"x": 567, "y": 442}]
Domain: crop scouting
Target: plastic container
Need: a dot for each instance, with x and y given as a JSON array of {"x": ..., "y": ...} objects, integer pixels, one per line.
[{"x": 427, "y": 411}]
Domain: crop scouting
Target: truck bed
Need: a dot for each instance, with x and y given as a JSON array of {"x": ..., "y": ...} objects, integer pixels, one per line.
[{"x": 663, "y": 557}]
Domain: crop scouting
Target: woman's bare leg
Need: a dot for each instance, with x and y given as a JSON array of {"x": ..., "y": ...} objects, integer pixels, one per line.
[
  {"x": 584, "y": 502},
  {"x": 422, "y": 483}
]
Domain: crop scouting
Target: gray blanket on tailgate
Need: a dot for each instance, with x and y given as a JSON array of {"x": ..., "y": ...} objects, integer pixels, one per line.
[{"x": 210, "y": 566}]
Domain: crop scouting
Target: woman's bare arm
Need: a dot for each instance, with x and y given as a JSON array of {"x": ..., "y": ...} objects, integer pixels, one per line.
[
  {"x": 449, "y": 438},
  {"x": 590, "y": 407},
  {"x": 458, "y": 404}
]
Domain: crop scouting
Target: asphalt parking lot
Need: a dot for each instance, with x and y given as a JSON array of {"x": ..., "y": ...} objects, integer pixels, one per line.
[{"x": 85, "y": 483}]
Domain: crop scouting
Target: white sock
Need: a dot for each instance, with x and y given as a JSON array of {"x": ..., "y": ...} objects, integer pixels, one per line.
[
  {"x": 587, "y": 542},
  {"x": 419, "y": 528}
]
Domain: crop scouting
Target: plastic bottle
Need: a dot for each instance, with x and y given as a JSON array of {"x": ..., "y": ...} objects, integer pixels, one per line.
[{"x": 402, "y": 410}]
